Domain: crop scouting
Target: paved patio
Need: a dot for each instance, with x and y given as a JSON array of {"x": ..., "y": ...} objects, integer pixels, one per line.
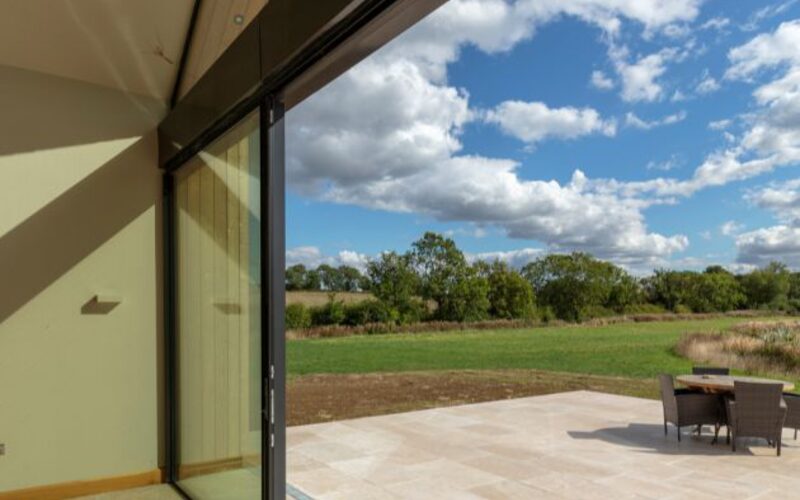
[{"x": 568, "y": 445}]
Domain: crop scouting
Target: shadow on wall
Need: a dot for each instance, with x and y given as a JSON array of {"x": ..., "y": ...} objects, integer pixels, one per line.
[
  {"x": 67, "y": 112},
  {"x": 51, "y": 241}
]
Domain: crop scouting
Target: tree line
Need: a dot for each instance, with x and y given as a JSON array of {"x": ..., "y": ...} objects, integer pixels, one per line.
[{"x": 434, "y": 281}]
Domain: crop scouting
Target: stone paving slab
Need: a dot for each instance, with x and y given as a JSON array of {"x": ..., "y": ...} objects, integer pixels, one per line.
[{"x": 570, "y": 445}]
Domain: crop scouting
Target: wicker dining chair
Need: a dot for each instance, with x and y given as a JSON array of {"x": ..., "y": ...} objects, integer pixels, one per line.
[
  {"x": 710, "y": 370},
  {"x": 683, "y": 407},
  {"x": 715, "y": 370},
  {"x": 758, "y": 411},
  {"x": 792, "y": 411}
]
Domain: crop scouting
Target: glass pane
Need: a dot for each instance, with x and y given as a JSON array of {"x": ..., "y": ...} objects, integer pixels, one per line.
[{"x": 218, "y": 271}]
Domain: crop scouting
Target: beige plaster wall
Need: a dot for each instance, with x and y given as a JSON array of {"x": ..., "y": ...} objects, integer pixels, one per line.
[{"x": 80, "y": 215}]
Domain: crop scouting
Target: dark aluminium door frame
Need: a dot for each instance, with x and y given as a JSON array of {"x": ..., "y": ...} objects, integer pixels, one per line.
[{"x": 290, "y": 50}]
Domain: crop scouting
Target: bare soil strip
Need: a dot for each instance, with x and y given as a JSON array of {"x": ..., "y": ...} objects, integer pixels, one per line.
[{"x": 328, "y": 397}]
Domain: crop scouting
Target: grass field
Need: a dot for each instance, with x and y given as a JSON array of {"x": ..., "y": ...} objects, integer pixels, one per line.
[
  {"x": 347, "y": 377},
  {"x": 636, "y": 350}
]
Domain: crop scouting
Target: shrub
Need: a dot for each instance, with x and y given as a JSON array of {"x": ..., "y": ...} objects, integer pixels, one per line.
[
  {"x": 332, "y": 313},
  {"x": 682, "y": 309},
  {"x": 367, "y": 311},
  {"x": 595, "y": 311},
  {"x": 645, "y": 309},
  {"x": 546, "y": 314},
  {"x": 467, "y": 301},
  {"x": 510, "y": 295},
  {"x": 297, "y": 316},
  {"x": 767, "y": 287}
]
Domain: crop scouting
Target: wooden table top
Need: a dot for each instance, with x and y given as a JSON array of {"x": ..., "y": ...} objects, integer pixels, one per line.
[{"x": 724, "y": 383}]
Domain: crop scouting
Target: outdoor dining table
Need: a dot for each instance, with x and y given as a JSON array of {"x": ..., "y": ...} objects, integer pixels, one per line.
[{"x": 723, "y": 384}]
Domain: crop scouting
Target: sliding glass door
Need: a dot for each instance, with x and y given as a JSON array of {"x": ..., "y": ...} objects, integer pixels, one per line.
[{"x": 218, "y": 324}]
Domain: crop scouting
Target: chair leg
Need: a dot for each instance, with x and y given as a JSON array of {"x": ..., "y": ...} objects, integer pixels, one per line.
[
  {"x": 716, "y": 434},
  {"x": 665, "y": 428},
  {"x": 795, "y": 434},
  {"x": 733, "y": 443},
  {"x": 779, "y": 445},
  {"x": 679, "y": 434},
  {"x": 727, "y": 434}
]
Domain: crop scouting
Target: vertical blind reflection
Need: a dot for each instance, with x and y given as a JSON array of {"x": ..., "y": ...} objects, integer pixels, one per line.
[{"x": 219, "y": 325}]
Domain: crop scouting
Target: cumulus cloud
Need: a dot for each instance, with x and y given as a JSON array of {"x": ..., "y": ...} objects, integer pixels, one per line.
[
  {"x": 532, "y": 122},
  {"x": 472, "y": 232},
  {"x": 731, "y": 228},
  {"x": 761, "y": 246},
  {"x": 514, "y": 258},
  {"x": 311, "y": 256},
  {"x": 386, "y": 135},
  {"x": 639, "y": 77},
  {"x": 782, "y": 199},
  {"x": 780, "y": 242},
  {"x": 766, "y": 50},
  {"x": 763, "y": 13},
  {"x": 599, "y": 80},
  {"x": 716, "y": 23},
  {"x": 672, "y": 163},
  {"x": 772, "y": 136},
  {"x": 707, "y": 85},
  {"x": 632, "y": 120},
  {"x": 775, "y": 128},
  {"x": 719, "y": 124},
  {"x": 678, "y": 96}
]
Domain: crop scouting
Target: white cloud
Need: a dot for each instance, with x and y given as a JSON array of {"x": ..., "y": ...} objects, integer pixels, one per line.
[
  {"x": 639, "y": 77},
  {"x": 707, "y": 85},
  {"x": 766, "y": 50},
  {"x": 311, "y": 257},
  {"x": 632, "y": 120},
  {"x": 782, "y": 199},
  {"x": 765, "y": 13},
  {"x": 472, "y": 232},
  {"x": 600, "y": 81},
  {"x": 772, "y": 139},
  {"x": 489, "y": 191},
  {"x": 677, "y": 30},
  {"x": 780, "y": 242},
  {"x": 775, "y": 129},
  {"x": 719, "y": 124},
  {"x": 381, "y": 119},
  {"x": 672, "y": 163},
  {"x": 731, "y": 228},
  {"x": 386, "y": 135},
  {"x": 716, "y": 23},
  {"x": 532, "y": 122},
  {"x": 761, "y": 246},
  {"x": 514, "y": 258},
  {"x": 678, "y": 96}
]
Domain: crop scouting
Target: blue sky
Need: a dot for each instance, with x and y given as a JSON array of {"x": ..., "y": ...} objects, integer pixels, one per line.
[{"x": 651, "y": 133}]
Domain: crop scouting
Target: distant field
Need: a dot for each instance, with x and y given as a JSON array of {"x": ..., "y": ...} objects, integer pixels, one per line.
[
  {"x": 623, "y": 350},
  {"x": 347, "y": 377},
  {"x": 321, "y": 298}
]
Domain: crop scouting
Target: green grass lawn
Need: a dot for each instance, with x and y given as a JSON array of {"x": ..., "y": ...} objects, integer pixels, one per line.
[{"x": 633, "y": 350}]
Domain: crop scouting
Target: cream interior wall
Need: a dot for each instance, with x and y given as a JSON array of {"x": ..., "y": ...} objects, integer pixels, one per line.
[{"x": 80, "y": 215}]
